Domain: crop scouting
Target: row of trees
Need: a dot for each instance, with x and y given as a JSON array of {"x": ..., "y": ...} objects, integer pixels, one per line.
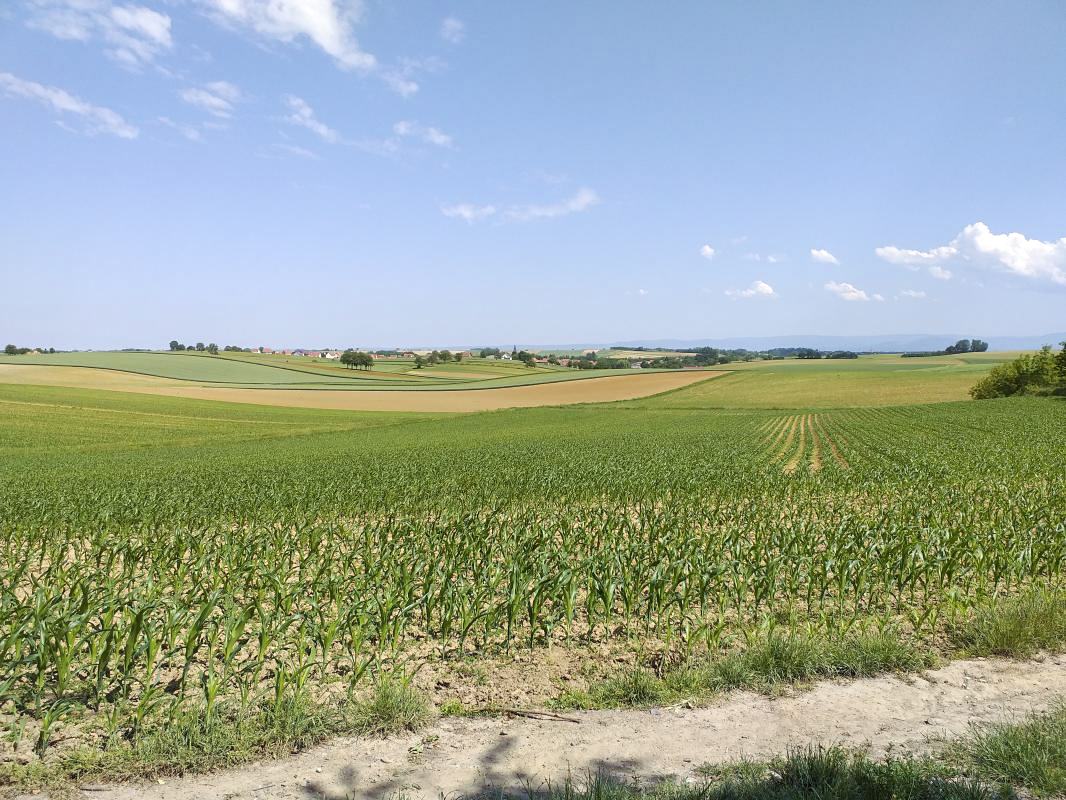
[
  {"x": 199, "y": 347},
  {"x": 1043, "y": 372},
  {"x": 15, "y": 350},
  {"x": 354, "y": 359},
  {"x": 961, "y": 346},
  {"x": 437, "y": 357}
]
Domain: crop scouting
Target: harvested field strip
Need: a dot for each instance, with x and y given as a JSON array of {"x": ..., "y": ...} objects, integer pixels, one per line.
[{"x": 608, "y": 388}]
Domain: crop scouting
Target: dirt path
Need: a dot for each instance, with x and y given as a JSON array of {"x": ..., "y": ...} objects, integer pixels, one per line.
[{"x": 457, "y": 755}]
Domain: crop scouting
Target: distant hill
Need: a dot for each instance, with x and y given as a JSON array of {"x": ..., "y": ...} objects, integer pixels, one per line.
[{"x": 891, "y": 343}]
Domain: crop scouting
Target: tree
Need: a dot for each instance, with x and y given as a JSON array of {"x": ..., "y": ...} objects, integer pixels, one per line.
[
  {"x": 199, "y": 347},
  {"x": 1024, "y": 374},
  {"x": 419, "y": 362},
  {"x": 1060, "y": 363},
  {"x": 348, "y": 358},
  {"x": 977, "y": 346},
  {"x": 175, "y": 345},
  {"x": 458, "y": 357},
  {"x": 11, "y": 350},
  {"x": 961, "y": 346},
  {"x": 212, "y": 349}
]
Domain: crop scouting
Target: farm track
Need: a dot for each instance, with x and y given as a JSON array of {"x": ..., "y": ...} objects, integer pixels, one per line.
[{"x": 454, "y": 756}]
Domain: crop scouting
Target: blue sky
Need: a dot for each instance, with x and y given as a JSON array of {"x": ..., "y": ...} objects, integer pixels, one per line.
[{"x": 287, "y": 172}]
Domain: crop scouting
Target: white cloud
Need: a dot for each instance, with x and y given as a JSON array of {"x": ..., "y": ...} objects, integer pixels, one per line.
[
  {"x": 976, "y": 245},
  {"x": 752, "y": 257},
  {"x": 824, "y": 256},
  {"x": 429, "y": 135},
  {"x": 757, "y": 289},
  {"x": 913, "y": 294},
  {"x": 217, "y": 98},
  {"x": 879, "y": 298},
  {"x": 845, "y": 291},
  {"x": 468, "y": 212},
  {"x": 97, "y": 119},
  {"x": 453, "y": 30},
  {"x": 774, "y": 259},
  {"x": 582, "y": 200},
  {"x": 133, "y": 35},
  {"x": 329, "y": 24},
  {"x": 304, "y": 116},
  {"x": 707, "y": 252}
]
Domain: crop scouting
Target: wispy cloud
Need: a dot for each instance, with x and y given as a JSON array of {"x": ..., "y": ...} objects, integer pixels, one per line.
[
  {"x": 424, "y": 133},
  {"x": 216, "y": 97},
  {"x": 468, "y": 212},
  {"x": 757, "y": 289},
  {"x": 452, "y": 30},
  {"x": 303, "y": 115},
  {"x": 582, "y": 200},
  {"x": 707, "y": 252},
  {"x": 190, "y": 132},
  {"x": 133, "y": 35},
  {"x": 845, "y": 291},
  {"x": 96, "y": 119},
  {"x": 913, "y": 294},
  {"x": 824, "y": 256},
  {"x": 977, "y": 246}
]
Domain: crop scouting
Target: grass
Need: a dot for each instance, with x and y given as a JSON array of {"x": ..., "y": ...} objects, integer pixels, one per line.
[
  {"x": 1031, "y": 753},
  {"x": 767, "y": 665},
  {"x": 193, "y": 742},
  {"x": 1018, "y": 627}
]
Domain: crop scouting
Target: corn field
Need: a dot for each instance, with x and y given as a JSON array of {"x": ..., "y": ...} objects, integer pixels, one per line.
[{"x": 141, "y": 582}]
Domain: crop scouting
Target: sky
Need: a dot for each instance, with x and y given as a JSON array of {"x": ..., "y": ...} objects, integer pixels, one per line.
[{"x": 345, "y": 173}]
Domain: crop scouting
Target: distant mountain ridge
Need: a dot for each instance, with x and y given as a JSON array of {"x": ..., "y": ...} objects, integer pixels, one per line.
[{"x": 889, "y": 343}]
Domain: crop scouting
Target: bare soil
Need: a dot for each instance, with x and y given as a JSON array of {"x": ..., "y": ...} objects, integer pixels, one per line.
[{"x": 888, "y": 714}]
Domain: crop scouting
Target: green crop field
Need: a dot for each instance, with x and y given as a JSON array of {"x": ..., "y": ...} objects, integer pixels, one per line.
[{"x": 167, "y": 560}]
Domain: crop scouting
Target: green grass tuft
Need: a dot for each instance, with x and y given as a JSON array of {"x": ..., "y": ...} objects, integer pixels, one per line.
[
  {"x": 1030, "y": 753},
  {"x": 815, "y": 774},
  {"x": 1017, "y": 627},
  {"x": 775, "y": 661}
]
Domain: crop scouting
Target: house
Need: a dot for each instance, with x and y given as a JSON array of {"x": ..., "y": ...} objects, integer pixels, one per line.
[
  {"x": 503, "y": 357},
  {"x": 333, "y": 355}
]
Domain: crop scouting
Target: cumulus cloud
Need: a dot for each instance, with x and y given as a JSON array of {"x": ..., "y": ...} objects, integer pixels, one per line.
[
  {"x": 913, "y": 294},
  {"x": 977, "y": 246},
  {"x": 824, "y": 256},
  {"x": 132, "y": 34},
  {"x": 452, "y": 30},
  {"x": 216, "y": 97},
  {"x": 845, "y": 291},
  {"x": 757, "y": 289},
  {"x": 468, "y": 212},
  {"x": 707, "y": 252},
  {"x": 96, "y": 119},
  {"x": 427, "y": 134},
  {"x": 303, "y": 115},
  {"x": 582, "y": 200},
  {"x": 329, "y": 24}
]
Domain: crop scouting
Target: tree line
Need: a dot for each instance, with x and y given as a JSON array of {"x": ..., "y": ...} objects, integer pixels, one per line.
[
  {"x": 961, "y": 346},
  {"x": 15, "y": 350}
]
